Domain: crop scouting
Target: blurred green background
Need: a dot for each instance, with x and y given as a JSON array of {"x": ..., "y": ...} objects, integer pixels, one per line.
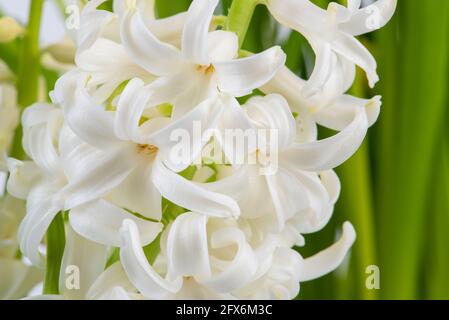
[{"x": 395, "y": 190}]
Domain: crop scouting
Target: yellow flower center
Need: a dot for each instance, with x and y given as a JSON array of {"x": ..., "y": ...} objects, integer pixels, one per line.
[
  {"x": 206, "y": 70},
  {"x": 147, "y": 149}
]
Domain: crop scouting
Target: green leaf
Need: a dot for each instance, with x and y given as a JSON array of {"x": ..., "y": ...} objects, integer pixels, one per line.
[
  {"x": 55, "y": 251},
  {"x": 413, "y": 55}
]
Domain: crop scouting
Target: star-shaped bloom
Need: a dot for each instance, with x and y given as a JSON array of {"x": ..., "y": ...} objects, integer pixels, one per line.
[
  {"x": 56, "y": 180},
  {"x": 332, "y": 32},
  {"x": 331, "y": 107},
  {"x": 287, "y": 183},
  {"x": 205, "y": 65}
]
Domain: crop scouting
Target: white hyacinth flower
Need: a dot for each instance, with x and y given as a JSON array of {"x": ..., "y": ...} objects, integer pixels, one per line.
[
  {"x": 17, "y": 276},
  {"x": 332, "y": 32},
  {"x": 223, "y": 265},
  {"x": 331, "y": 108},
  {"x": 205, "y": 65},
  {"x": 9, "y": 118},
  {"x": 52, "y": 182},
  {"x": 106, "y": 153}
]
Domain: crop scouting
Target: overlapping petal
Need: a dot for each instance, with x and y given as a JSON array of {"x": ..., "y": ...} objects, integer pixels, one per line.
[
  {"x": 101, "y": 221},
  {"x": 329, "y": 259},
  {"x": 139, "y": 271},
  {"x": 196, "y": 29},
  {"x": 240, "y": 77},
  {"x": 188, "y": 194}
]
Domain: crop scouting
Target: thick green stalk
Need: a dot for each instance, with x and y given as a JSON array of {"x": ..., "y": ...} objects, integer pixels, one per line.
[
  {"x": 30, "y": 56},
  {"x": 29, "y": 69},
  {"x": 55, "y": 251},
  {"x": 239, "y": 18},
  {"x": 437, "y": 254},
  {"x": 166, "y": 8},
  {"x": 420, "y": 83}
]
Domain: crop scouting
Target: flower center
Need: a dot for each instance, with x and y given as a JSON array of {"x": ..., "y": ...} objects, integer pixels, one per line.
[
  {"x": 206, "y": 70},
  {"x": 147, "y": 149}
]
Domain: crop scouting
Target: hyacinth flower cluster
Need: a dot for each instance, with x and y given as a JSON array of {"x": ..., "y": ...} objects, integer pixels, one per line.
[{"x": 164, "y": 183}]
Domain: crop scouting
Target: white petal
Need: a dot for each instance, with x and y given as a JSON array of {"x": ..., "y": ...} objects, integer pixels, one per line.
[
  {"x": 38, "y": 113},
  {"x": 253, "y": 193},
  {"x": 112, "y": 277},
  {"x": 38, "y": 143},
  {"x": 167, "y": 88},
  {"x": 196, "y": 29},
  {"x": 16, "y": 278},
  {"x": 324, "y": 66},
  {"x": 41, "y": 209},
  {"x": 280, "y": 281},
  {"x": 139, "y": 271},
  {"x": 99, "y": 177},
  {"x": 234, "y": 273},
  {"x": 115, "y": 294},
  {"x": 241, "y": 76},
  {"x": 187, "y": 250},
  {"x": 226, "y": 184},
  {"x": 89, "y": 121},
  {"x": 182, "y": 141},
  {"x": 192, "y": 290},
  {"x": 88, "y": 257},
  {"x": 100, "y": 221},
  {"x": 354, "y": 5},
  {"x": 191, "y": 195},
  {"x": 234, "y": 121},
  {"x": 93, "y": 23},
  {"x": 168, "y": 29},
  {"x": 3, "y": 180},
  {"x": 22, "y": 177},
  {"x": 331, "y": 152},
  {"x": 146, "y": 50},
  {"x": 108, "y": 65},
  {"x": 329, "y": 259},
  {"x": 354, "y": 51},
  {"x": 340, "y": 80},
  {"x": 41, "y": 124},
  {"x": 297, "y": 195},
  {"x": 370, "y": 18},
  {"x": 138, "y": 193},
  {"x": 130, "y": 108},
  {"x": 340, "y": 114},
  {"x": 300, "y": 15},
  {"x": 332, "y": 184},
  {"x": 146, "y": 7},
  {"x": 273, "y": 113},
  {"x": 287, "y": 84},
  {"x": 223, "y": 46}
]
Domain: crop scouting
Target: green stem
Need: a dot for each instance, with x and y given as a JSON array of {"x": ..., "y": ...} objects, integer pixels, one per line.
[
  {"x": 29, "y": 59},
  {"x": 239, "y": 17},
  {"x": 29, "y": 69},
  {"x": 437, "y": 258},
  {"x": 55, "y": 251}
]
